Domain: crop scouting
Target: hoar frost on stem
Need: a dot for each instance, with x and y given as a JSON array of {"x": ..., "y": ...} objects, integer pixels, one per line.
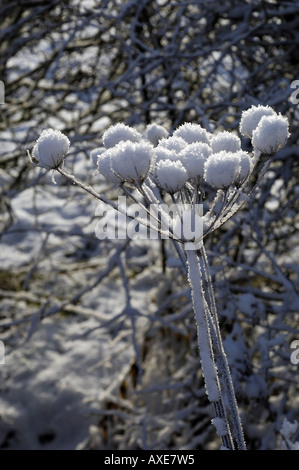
[
  {"x": 204, "y": 336},
  {"x": 190, "y": 166}
]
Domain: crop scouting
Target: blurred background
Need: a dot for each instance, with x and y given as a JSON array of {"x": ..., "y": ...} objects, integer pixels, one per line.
[{"x": 100, "y": 341}]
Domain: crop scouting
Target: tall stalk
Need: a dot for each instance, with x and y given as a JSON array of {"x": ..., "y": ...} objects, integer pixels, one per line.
[{"x": 212, "y": 355}]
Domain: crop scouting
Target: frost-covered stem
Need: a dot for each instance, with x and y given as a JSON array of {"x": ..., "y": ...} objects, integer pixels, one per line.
[
  {"x": 208, "y": 363},
  {"x": 104, "y": 199},
  {"x": 221, "y": 358},
  {"x": 86, "y": 188}
]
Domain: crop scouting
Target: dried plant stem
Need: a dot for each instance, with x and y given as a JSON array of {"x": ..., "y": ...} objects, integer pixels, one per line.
[
  {"x": 221, "y": 357},
  {"x": 212, "y": 354}
]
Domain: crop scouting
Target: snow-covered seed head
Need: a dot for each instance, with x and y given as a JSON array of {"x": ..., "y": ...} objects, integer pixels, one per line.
[
  {"x": 171, "y": 175},
  {"x": 104, "y": 166},
  {"x": 169, "y": 149},
  {"x": 271, "y": 134},
  {"x": 163, "y": 153},
  {"x": 155, "y": 132},
  {"x": 50, "y": 149},
  {"x": 191, "y": 133},
  {"x": 222, "y": 169},
  {"x": 173, "y": 143},
  {"x": 94, "y": 154},
  {"x": 120, "y": 132},
  {"x": 225, "y": 141},
  {"x": 245, "y": 166},
  {"x": 131, "y": 161},
  {"x": 251, "y": 118},
  {"x": 193, "y": 157}
]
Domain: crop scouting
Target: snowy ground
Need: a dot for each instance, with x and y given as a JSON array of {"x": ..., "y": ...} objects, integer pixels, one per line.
[
  {"x": 56, "y": 369},
  {"x": 48, "y": 384}
]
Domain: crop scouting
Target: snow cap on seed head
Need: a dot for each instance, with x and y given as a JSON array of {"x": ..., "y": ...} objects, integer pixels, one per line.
[
  {"x": 251, "y": 118},
  {"x": 95, "y": 153},
  {"x": 173, "y": 143},
  {"x": 104, "y": 166},
  {"x": 222, "y": 169},
  {"x": 155, "y": 132},
  {"x": 225, "y": 140},
  {"x": 191, "y": 133},
  {"x": 171, "y": 175},
  {"x": 131, "y": 161},
  {"x": 169, "y": 149},
  {"x": 271, "y": 134},
  {"x": 120, "y": 132},
  {"x": 50, "y": 149},
  {"x": 163, "y": 153},
  {"x": 193, "y": 157}
]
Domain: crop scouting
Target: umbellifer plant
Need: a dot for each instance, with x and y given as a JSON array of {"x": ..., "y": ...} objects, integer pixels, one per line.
[{"x": 207, "y": 178}]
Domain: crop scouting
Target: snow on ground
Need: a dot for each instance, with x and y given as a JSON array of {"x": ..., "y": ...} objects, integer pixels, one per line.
[{"x": 49, "y": 382}]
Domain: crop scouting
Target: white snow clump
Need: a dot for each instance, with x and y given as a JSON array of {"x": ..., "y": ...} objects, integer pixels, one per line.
[
  {"x": 251, "y": 118},
  {"x": 173, "y": 143},
  {"x": 271, "y": 134},
  {"x": 163, "y": 153},
  {"x": 120, "y": 132},
  {"x": 193, "y": 157},
  {"x": 222, "y": 169},
  {"x": 191, "y": 133},
  {"x": 155, "y": 132},
  {"x": 171, "y": 175},
  {"x": 225, "y": 140},
  {"x": 50, "y": 149},
  {"x": 95, "y": 153},
  {"x": 104, "y": 166},
  {"x": 131, "y": 161}
]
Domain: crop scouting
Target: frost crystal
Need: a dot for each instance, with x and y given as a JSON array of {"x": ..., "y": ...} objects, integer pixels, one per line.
[
  {"x": 191, "y": 133},
  {"x": 131, "y": 161},
  {"x": 221, "y": 169},
  {"x": 171, "y": 176},
  {"x": 193, "y": 157},
  {"x": 251, "y": 117},
  {"x": 50, "y": 149},
  {"x": 225, "y": 141},
  {"x": 120, "y": 132},
  {"x": 271, "y": 134}
]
